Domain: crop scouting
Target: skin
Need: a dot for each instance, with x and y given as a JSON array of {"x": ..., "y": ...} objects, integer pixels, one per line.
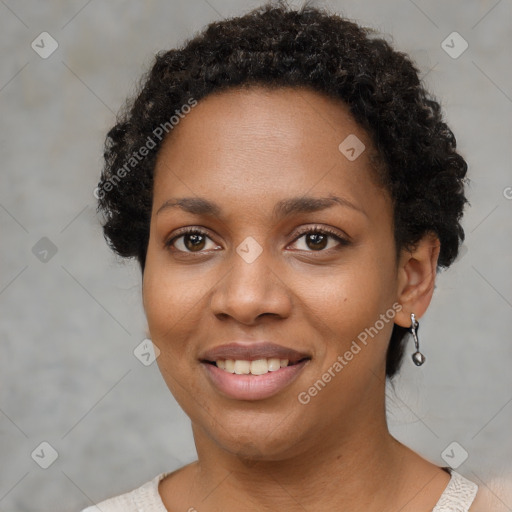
[{"x": 246, "y": 150}]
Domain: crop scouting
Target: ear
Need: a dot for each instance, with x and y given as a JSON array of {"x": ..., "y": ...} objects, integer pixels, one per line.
[{"x": 416, "y": 278}]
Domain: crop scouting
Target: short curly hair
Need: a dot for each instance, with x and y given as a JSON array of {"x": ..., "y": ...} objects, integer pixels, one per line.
[{"x": 278, "y": 46}]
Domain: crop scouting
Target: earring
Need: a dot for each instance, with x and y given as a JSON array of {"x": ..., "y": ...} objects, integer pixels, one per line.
[{"x": 417, "y": 357}]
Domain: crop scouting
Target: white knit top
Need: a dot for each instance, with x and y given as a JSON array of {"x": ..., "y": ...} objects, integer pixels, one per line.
[{"x": 457, "y": 497}]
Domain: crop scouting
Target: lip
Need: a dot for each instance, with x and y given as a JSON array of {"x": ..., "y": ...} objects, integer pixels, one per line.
[
  {"x": 250, "y": 351},
  {"x": 252, "y": 387}
]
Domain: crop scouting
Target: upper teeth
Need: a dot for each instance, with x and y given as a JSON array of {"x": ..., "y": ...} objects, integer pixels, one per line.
[{"x": 256, "y": 367}]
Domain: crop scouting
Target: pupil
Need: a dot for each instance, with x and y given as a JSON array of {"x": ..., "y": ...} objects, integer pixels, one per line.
[
  {"x": 318, "y": 240},
  {"x": 196, "y": 241}
]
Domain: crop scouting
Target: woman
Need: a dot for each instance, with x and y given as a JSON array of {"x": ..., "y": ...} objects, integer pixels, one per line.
[{"x": 289, "y": 189}]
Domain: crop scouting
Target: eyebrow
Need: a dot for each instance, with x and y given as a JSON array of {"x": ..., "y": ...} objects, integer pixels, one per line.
[{"x": 284, "y": 208}]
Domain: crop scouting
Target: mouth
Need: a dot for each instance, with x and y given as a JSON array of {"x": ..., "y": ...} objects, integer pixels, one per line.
[
  {"x": 254, "y": 367},
  {"x": 252, "y": 371}
]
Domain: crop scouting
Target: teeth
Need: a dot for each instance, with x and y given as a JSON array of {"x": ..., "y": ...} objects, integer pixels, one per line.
[
  {"x": 274, "y": 364},
  {"x": 259, "y": 367},
  {"x": 256, "y": 367},
  {"x": 242, "y": 367}
]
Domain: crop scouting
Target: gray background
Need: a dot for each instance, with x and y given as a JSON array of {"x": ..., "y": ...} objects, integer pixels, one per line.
[{"x": 69, "y": 325}]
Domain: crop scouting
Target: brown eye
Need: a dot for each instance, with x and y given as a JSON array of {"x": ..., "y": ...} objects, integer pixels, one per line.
[
  {"x": 318, "y": 240},
  {"x": 193, "y": 240}
]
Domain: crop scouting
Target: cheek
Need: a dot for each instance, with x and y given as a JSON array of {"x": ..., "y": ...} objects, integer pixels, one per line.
[
  {"x": 167, "y": 305},
  {"x": 172, "y": 305},
  {"x": 175, "y": 302},
  {"x": 172, "y": 297},
  {"x": 350, "y": 304}
]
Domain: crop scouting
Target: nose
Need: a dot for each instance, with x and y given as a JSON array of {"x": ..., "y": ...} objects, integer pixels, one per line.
[{"x": 251, "y": 290}]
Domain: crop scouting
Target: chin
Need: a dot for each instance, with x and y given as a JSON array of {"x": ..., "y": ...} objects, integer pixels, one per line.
[{"x": 272, "y": 443}]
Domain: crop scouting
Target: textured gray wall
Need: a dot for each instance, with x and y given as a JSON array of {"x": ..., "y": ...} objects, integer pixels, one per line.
[{"x": 69, "y": 325}]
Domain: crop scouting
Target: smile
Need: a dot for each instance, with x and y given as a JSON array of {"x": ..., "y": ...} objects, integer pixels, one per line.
[
  {"x": 252, "y": 370},
  {"x": 256, "y": 367},
  {"x": 237, "y": 379}
]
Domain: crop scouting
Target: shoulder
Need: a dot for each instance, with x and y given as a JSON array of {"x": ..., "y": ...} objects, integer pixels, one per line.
[
  {"x": 494, "y": 494},
  {"x": 145, "y": 497}
]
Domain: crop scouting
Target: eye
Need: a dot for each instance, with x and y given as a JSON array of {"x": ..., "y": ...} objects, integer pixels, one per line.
[
  {"x": 317, "y": 239},
  {"x": 190, "y": 240},
  {"x": 194, "y": 240}
]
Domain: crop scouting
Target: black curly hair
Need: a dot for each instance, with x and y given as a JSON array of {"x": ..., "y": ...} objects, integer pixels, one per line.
[{"x": 279, "y": 46}]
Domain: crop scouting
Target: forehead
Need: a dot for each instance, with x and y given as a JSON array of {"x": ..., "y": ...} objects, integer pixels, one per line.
[
  {"x": 283, "y": 117},
  {"x": 249, "y": 142}
]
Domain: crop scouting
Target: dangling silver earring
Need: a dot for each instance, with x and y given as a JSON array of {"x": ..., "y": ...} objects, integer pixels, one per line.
[{"x": 417, "y": 357}]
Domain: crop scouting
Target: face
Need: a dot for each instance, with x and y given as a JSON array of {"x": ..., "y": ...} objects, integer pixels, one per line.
[{"x": 246, "y": 259}]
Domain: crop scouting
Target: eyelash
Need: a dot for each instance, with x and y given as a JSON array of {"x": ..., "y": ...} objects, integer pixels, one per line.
[{"x": 300, "y": 234}]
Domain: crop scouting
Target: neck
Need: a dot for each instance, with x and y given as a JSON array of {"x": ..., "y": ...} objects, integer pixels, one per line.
[{"x": 366, "y": 462}]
